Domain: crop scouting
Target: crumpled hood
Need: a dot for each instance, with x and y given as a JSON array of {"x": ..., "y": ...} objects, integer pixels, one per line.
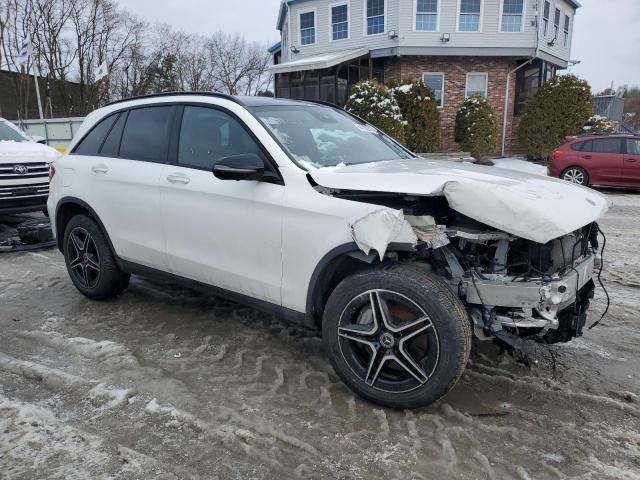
[
  {"x": 26, "y": 152},
  {"x": 529, "y": 206}
]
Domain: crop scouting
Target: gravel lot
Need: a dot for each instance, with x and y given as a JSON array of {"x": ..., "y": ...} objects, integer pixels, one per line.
[{"x": 166, "y": 382}]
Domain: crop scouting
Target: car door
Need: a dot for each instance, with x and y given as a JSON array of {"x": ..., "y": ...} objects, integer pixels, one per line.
[
  {"x": 631, "y": 169},
  {"x": 604, "y": 161},
  {"x": 224, "y": 233},
  {"x": 120, "y": 182}
]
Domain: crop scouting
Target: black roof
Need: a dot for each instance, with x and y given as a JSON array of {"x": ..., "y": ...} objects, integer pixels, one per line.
[{"x": 245, "y": 101}]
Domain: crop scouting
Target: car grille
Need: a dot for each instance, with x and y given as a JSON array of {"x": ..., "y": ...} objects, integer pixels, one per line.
[
  {"x": 35, "y": 171},
  {"x": 17, "y": 192}
]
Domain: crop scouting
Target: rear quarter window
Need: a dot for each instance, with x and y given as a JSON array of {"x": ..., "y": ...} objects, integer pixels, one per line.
[
  {"x": 585, "y": 146},
  {"x": 92, "y": 143}
]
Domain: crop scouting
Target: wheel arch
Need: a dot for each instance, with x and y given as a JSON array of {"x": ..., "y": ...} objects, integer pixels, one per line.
[
  {"x": 69, "y": 207},
  {"x": 339, "y": 263}
]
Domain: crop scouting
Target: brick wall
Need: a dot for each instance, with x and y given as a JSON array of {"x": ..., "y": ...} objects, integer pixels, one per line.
[{"x": 455, "y": 71}]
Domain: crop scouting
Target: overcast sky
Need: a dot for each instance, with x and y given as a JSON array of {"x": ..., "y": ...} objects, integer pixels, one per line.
[{"x": 606, "y": 38}]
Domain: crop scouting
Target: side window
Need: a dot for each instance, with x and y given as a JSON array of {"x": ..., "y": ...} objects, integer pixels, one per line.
[
  {"x": 607, "y": 145},
  {"x": 111, "y": 147},
  {"x": 207, "y": 135},
  {"x": 91, "y": 144},
  {"x": 146, "y": 134},
  {"x": 633, "y": 147}
]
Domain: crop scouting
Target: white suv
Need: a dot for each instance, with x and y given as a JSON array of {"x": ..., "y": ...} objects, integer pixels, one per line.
[{"x": 302, "y": 209}]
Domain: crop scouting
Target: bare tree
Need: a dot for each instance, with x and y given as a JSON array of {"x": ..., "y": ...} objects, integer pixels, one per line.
[
  {"x": 71, "y": 38},
  {"x": 237, "y": 67}
]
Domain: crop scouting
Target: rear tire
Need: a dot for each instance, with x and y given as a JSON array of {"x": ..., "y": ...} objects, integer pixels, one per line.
[
  {"x": 576, "y": 175},
  {"x": 90, "y": 262},
  {"x": 397, "y": 335}
]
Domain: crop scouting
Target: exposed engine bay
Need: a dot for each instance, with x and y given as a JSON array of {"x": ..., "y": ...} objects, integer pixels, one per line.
[{"x": 515, "y": 289}]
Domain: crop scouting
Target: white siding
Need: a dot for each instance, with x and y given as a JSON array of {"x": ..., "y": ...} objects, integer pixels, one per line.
[
  {"x": 357, "y": 38},
  {"x": 558, "y": 50},
  {"x": 490, "y": 36},
  {"x": 400, "y": 17}
]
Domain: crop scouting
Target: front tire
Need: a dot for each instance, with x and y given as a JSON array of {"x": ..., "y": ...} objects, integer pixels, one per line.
[
  {"x": 90, "y": 262},
  {"x": 397, "y": 335},
  {"x": 576, "y": 175}
]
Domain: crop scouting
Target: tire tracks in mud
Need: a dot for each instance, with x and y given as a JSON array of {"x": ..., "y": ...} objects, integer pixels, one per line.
[{"x": 245, "y": 396}]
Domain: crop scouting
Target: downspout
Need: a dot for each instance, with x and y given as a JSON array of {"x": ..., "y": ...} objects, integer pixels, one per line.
[
  {"x": 506, "y": 96},
  {"x": 506, "y": 103},
  {"x": 289, "y": 32}
]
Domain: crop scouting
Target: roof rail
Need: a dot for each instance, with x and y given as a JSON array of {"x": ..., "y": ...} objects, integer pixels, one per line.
[
  {"x": 170, "y": 94},
  {"x": 602, "y": 134},
  {"x": 319, "y": 102}
]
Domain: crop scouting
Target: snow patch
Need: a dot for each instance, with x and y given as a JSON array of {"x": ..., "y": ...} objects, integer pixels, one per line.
[{"x": 110, "y": 397}]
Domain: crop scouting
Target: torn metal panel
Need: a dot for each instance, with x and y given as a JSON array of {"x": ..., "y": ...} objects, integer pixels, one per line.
[
  {"x": 425, "y": 227},
  {"x": 529, "y": 206},
  {"x": 378, "y": 229}
]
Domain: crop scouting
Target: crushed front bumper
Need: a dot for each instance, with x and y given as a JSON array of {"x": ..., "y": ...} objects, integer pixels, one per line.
[
  {"x": 555, "y": 294},
  {"x": 529, "y": 304}
]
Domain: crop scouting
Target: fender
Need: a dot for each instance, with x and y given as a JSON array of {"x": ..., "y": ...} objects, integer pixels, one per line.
[
  {"x": 84, "y": 205},
  {"x": 326, "y": 267}
]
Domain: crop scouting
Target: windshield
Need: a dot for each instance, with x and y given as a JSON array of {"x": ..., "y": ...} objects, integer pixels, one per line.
[
  {"x": 8, "y": 133},
  {"x": 318, "y": 136}
]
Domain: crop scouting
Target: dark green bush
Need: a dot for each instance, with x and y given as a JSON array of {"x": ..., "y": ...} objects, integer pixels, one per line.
[
  {"x": 374, "y": 103},
  {"x": 420, "y": 111},
  {"x": 476, "y": 130},
  {"x": 561, "y": 107}
]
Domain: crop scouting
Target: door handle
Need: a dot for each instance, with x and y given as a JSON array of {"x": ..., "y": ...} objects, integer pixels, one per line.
[
  {"x": 101, "y": 169},
  {"x": 631, "y": 160},
  {"x": 587, "y": 157},
  {"x": 178, "y": 178}
]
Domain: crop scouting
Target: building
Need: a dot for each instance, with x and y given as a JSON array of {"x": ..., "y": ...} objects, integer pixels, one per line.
[
  {"x": 18, "y": 100},
  {"x": 502, "y": 49}
]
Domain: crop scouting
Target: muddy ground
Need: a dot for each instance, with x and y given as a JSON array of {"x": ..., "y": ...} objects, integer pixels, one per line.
[{"x": 166, "y": 382}]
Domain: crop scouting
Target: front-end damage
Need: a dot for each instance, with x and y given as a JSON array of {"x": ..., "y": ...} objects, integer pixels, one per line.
[{"x": 515, "y": 289}]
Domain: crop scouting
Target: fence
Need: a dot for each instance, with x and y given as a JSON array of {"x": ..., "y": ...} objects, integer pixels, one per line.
[
  {"x": 58, "y": 132},
  {"x": 609, "y": 106}
]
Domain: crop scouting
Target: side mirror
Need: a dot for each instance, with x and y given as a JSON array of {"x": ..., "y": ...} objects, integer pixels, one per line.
[{"x": 247, "y": 166}]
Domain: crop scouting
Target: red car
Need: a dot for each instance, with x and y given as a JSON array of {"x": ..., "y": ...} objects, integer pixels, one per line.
[{"x": 611, "y": 160}]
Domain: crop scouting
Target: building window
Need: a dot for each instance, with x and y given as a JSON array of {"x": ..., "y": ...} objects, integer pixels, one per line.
[
  {"x": 556, "y": 24},
  {"x": 512, "y": 14},
  {"x": 308, "y": 28},
  {"x": 476, "y": 84},
  {"x": 375, "y": 16},
  {"x": 567, "y": 24},
  {"x": 427, "y": 15},
  {"x": 339, "y": 22},
  {"x": 435, "y": 81},
  {"x": 470, "y": 15},
  {"x": 545, "y": 18}
]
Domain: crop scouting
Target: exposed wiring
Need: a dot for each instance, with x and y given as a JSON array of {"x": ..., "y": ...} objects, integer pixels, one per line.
[{"x": 606, "y": 310}]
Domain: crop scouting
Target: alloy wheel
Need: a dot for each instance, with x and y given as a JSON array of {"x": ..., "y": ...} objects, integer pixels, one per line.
[
  {"x": 573, "y": 175},
  {"x": 84, "y": 259},
  {"x": 388, "y": 341}
]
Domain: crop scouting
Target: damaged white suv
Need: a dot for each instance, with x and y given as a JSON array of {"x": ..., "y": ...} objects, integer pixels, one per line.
[{"x": 303, "y": 209}]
